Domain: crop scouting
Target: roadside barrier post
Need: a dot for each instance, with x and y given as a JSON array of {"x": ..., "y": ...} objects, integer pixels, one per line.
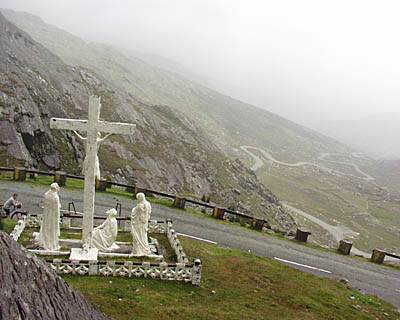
[
  {"x": 378, "y": 256},
  {"x": 219, "y": 213},
  {"x": 258, "y": 224},
  {"x": 179, "y": 202},
  {"x": 101, "y": 185},
  {"x": 60, "y": 177},
  {"x": 302, "y": 235},
  {"x": 345, "y": 247},
  {"x": 136, "y": 191},
  {"x": 19, "y": 174}
]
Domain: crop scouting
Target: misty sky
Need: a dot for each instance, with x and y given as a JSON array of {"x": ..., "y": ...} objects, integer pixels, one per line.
[{"x": 306, "y": 60}]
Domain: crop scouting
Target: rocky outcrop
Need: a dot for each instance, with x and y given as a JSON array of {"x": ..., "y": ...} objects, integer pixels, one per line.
[{"x": 31, "y": 290}]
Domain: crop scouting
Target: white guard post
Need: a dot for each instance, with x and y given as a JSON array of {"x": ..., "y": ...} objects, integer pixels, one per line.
[{"x": 91, "y": 126}]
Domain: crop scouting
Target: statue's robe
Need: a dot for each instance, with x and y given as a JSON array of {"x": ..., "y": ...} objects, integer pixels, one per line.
[
  {"x": 50, "y": 226},
  {"x": 105, "y": 235},
  {"x": 139, "y": 228}
]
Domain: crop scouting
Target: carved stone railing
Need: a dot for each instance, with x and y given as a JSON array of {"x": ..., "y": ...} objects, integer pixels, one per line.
[
  {"x": 128, "y": 269},
  {"x": 19, "y": 228},
  {"x": 175, "y": 243},
  {"x": 181, "y": 271},
  {"x": 157, "y": 226},
  {"x": 33, "y": 221}
]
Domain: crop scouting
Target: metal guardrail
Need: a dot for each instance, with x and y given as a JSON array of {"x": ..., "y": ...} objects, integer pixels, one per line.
[
  {"x": 392, "y": 255},
  {"x": 159, "y": 193}
]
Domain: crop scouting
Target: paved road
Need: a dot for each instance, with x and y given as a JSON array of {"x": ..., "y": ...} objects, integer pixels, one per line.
[
  {"x": 356, "y": 167},
  {"x": 338, "y": 232},
  {"x": 303, "y": 163},
  {"x": 373, "y": 279}
]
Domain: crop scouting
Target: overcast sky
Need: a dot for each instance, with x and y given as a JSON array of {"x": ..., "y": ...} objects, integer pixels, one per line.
[{"x": 306, "y": 60}]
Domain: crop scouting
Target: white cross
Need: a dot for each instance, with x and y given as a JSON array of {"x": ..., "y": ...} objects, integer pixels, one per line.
[{"x": 92, "y": 126}]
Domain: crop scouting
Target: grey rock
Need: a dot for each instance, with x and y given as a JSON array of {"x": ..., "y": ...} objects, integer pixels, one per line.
[{"x": 29, "y": 289}]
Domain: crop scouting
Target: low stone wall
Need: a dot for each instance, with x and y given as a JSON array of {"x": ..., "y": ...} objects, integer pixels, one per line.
[
  {"x": 19, "y": 228},
  {"x": 176, "y": 244},
  {"x": 164, "y": 271},
  {"x": 181, "y": 271}
]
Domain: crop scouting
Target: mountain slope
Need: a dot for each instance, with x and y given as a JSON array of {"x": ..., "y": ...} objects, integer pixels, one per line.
[
  {"x": 168, "y": 151},
  {"x": 231, "y": 122},
  {"x": 378, "y": 134},
  {"x": 339, "y": 197}
]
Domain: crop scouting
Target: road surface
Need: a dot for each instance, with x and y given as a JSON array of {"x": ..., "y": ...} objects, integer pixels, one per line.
[{"x": 259, "y": 163}]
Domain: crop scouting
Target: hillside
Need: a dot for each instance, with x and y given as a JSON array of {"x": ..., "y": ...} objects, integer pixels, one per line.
[
  {"x": 377, "y": 135},
  {"x": 168, "y": 152},
  {"x": 232, "y": 122},
  {"x": 340, "y": 197}
]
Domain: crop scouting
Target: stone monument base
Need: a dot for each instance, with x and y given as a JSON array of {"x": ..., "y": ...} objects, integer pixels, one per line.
[{"x": 80, "y": 254}]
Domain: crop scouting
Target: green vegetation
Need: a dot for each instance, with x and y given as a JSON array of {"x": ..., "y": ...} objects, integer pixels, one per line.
[
  {"x": 235, "y": 285},
  {"x": 7, "y": 225},
  {"x": 337, "y": 200}
]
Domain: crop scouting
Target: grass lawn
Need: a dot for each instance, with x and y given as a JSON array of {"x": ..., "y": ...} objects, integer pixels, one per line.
[
  {"x": 235, "y": 285},
  {"x": 7, "y": 225}
]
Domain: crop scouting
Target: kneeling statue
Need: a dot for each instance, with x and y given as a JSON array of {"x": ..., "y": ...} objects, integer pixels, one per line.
[{"x": 105, "y": 235}]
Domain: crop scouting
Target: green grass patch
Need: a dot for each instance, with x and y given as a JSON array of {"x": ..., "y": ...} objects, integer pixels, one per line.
[
  {"x": 7, "y": 225},
  {"x": 235, "y": 285}
]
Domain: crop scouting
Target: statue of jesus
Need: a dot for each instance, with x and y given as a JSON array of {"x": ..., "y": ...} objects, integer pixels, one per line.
[{"x": 97, "y": 164}]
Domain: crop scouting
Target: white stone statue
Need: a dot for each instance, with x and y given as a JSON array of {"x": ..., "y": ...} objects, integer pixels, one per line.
[
  {"x": 50, "y": 227},
  {"x": 92, "y": 126},
  {"x": 97, "y": 164},
  {"x": 139, "y": 227},
  {"x": 105, "y": 235}
]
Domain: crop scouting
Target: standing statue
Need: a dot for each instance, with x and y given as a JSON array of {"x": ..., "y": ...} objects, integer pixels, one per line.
[
  {"x": 139, "y": 227},
  {"x": 105, "y": 235},
  {"x": 97, "y": 164},
  {"x": 50, "y": 227}
]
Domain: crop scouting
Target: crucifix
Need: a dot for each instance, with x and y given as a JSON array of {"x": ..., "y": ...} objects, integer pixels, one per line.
[{"x": 93, "y": 126}]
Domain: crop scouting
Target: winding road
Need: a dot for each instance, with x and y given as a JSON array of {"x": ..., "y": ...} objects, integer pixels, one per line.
[
  {"x": 356, "y": 167},
  {"x": 259, "y": 163},
  {"x": 338, "y": 232},
  {"x": 369, "y": 278}
]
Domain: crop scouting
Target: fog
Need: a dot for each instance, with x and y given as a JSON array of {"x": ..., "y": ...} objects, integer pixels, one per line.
[{"x": 324, "y": 64}]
